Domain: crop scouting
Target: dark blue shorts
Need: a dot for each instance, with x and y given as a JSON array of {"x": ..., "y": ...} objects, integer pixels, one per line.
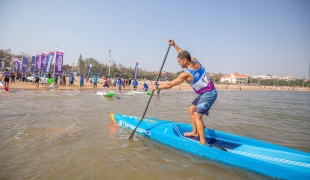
[{"x": 204, "y": 102}]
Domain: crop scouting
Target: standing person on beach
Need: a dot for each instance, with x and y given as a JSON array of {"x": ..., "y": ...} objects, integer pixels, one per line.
[
  {"x": 113, "y": 82},
  {"x": 135, "y": 84},
  {"x": 71, "y": 80},
  {"x": 56, "y": 79},
  {"x": 95, "y": 80},
  {"x": 37, "y": 79},
  {"x": 6, "y": 75},
  {"x": 12, "y": 77},
  {"x": 124, "y": 82},
  {"x": 64, "y": 79},
  {"x": 91, "y": 82},
  {"x": 198, "y": 78},
  {"x": 81, "y": 81},
  {"x": 119, "y": 82},
  {"x": 105, "y": 82}
]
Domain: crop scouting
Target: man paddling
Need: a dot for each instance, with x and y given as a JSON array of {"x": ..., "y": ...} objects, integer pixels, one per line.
[{"x": 198, "y": 78}]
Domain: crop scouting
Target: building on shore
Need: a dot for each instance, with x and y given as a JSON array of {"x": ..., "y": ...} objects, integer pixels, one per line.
[
  {"x": 287, "y": 78},
  {"x": 235, "y": 78},
  {"x": 265, "y": 76},
  {"x": 164, "y": 76}
]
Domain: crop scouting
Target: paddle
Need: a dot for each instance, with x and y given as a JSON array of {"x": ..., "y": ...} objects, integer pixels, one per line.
[{"x": 161, "y": 68}]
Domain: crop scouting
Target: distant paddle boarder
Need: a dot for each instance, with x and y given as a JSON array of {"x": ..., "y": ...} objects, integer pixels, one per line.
[
  {"x": 198, "y": 78},
  {"x": 145, "y": 87}
]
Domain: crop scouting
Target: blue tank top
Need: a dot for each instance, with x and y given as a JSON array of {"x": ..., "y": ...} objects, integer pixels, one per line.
[
  {"x": 95, "y": 80},
  {"x": 201, "y": 81},
  {"x": 7, "y": 74},
  {"x": 36, "y": 75}
]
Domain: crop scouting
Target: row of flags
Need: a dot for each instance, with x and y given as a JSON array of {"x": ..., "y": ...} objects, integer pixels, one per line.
[{"x": 42, "y": 61}]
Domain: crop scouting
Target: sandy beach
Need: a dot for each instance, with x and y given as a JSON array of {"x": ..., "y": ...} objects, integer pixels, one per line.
[{"x": 182, "y": 87}]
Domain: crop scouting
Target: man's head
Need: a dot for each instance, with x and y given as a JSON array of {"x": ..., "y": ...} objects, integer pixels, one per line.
[{"x": 183, "y": 58}]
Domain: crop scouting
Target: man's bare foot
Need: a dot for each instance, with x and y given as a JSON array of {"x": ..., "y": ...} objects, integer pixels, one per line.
[
  {"x": 203, "y": 143},
  {"x": 191, "y": 134}
]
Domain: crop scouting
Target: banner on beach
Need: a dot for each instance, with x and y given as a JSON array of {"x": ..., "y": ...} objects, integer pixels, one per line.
[
  {"x": 43, "y": 59},
  {"x": 49, "y": 62},
  {"x": 25, "y": 65},
  {"x": 2, "y": 65},
  {"x": 90, "y": 65},
  {"x": 38, "y": 62},
  {"x": 136, "y": 70},
  {"x": 33, "y": 64},
  {"x": 19, "y": 65},
  {"x": 59, "y": 62},
  {"x": 15, "y": 65}
]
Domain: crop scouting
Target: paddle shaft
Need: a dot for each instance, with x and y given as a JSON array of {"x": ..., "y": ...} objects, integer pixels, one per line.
[{"x": 148, "y": 103}]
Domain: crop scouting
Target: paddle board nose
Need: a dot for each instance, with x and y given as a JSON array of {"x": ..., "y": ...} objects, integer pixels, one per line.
[{"x": 112, "y": 117}]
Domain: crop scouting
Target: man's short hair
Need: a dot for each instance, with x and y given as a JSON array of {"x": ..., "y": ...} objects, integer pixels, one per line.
[{"x": 184, "y": 54}]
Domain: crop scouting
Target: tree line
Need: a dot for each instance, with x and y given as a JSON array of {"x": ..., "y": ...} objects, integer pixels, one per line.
[
  {"x": 279, "y": 82},
  {"x": 119, "y": 70}
]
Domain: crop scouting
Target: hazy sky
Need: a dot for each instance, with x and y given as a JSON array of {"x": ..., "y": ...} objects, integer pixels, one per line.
[{"x": 251, "y": 37}]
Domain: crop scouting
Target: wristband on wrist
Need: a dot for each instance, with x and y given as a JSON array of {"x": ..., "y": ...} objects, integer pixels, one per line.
[{"x": 156, "y": 85}]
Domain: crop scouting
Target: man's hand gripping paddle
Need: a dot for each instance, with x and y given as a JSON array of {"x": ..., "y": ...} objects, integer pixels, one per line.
[{"x": 161, "y": 68}]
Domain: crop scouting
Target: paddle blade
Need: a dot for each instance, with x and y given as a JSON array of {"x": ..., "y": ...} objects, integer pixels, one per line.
[{"x": 133, "y": 132}]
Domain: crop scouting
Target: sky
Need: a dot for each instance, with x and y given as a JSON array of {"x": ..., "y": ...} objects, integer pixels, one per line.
[{"x": 249, "y": 37}]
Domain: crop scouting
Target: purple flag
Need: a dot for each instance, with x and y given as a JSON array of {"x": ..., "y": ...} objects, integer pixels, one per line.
[
  {"x": 19, "y": 65},
  {"x": 59, "y": 62},
  {"x": 16, "y": 65},
  {"x": 38, "y": 62},
  {"x": 49, "y": 62},
  {"x": 33, "y": 64},
  {"x": 2, "y": 65},
  {"x": 43, "y": 59},
  {"x": 136, "y": 70},
  {"x": 25, "y": 65}
]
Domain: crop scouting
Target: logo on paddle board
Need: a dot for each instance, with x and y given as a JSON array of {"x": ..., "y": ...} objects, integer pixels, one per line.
[{"x": 130, "y": 126}]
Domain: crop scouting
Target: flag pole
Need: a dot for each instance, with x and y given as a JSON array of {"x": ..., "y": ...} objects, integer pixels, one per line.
[{"x": 109, "y": 61}]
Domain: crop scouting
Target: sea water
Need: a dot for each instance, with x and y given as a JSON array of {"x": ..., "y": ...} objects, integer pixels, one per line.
[{"x": 66, "y": 134}]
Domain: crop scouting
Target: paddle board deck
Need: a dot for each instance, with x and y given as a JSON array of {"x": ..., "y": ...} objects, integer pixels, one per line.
[{"x": 107, "y": 94}]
